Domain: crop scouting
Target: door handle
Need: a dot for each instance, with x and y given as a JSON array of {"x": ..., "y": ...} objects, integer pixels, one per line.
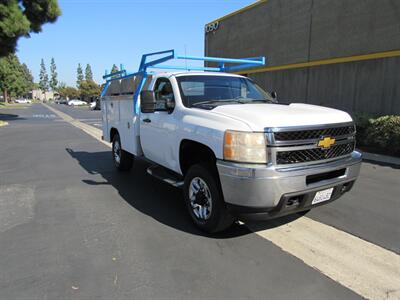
[
  {"x": 147, "y": 120},
  {"x": 112, "y": 104}
]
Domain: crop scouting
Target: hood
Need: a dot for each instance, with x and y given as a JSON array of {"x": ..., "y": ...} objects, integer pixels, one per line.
[{"x": 261, "y": 116}]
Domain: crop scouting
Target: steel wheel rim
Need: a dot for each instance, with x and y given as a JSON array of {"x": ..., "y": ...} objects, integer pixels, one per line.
[
  {"x": 200, "y": 198},
  {"x": 117, "y": 152}
]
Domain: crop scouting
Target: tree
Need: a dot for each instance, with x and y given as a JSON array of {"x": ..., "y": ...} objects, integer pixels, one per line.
[
  {"x": 7, "y": 76},
  {"x": 68, "y": 92},
  {"x": 114, "y": 69},
  {"x": 27, "y": 82},
  {"x": 89, "y": 90},
  {"x": 88, "y": 73},
  {"x": 15, "y": 78},
  {"x": 62, "y": 85},
  {"x": 79, "y": 76},
  {"x": 27, "y": 75},
  {"x": 53, "y": 75},
  {"x": 43, "y": 78},
  {"x": 21, "y": 17}
]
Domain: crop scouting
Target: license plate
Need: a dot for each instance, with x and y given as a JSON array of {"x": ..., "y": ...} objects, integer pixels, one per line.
[{"x": 322, "y": 196}]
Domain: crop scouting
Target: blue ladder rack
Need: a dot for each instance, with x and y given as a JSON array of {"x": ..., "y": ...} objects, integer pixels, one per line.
[{"x": 240, "y": 64}]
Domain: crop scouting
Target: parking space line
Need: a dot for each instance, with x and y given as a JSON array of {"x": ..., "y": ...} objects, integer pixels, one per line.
[
  {"x": 369, "y": 270},
  {"x": 89, "y": 129}
]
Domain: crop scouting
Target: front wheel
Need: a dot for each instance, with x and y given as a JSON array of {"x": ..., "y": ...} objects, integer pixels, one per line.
[
  {"x": 122, "y": 160},
  {"x": 204, "y": 199}
]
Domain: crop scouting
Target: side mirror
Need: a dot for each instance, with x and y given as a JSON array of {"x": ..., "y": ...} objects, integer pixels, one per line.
[
  {"x": 274, "y": 95},
  {"x": 147, "y": 101}
]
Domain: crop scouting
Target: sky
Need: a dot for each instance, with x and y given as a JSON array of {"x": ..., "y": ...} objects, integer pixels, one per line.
[{"x": 104, "y": 32}]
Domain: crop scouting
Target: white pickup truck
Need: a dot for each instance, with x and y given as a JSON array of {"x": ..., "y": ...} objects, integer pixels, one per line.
[{"x": 236, "y": 152}]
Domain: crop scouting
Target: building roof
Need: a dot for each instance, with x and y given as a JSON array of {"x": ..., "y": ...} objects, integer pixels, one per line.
[{"x": 238, "y": 11}]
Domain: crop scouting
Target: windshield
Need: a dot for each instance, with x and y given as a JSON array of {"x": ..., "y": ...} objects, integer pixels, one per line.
[{"x": 197, "y": 90}]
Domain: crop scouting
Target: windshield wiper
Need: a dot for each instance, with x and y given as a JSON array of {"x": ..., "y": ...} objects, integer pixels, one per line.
[
  {"x": 262, "y": 100},
  {"x": 250, "y": 100},
  {"x": 217, "y": 101}
]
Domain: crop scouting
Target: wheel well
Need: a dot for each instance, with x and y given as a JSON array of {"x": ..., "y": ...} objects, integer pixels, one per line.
[
  {"x": 191, "y": 152},
  {"x": 113, "y": 131}
]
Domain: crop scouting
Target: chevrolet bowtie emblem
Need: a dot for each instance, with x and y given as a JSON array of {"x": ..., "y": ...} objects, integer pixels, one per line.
[{"x": 326, "y": 142}]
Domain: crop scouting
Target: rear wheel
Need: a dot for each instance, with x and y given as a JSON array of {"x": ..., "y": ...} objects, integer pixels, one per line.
[
  {"x": 204, "y": 199},
  {"x": 123, "y": 160}
]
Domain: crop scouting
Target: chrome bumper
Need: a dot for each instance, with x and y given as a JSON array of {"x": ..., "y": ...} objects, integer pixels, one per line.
[{"x": 261, "y": 186}]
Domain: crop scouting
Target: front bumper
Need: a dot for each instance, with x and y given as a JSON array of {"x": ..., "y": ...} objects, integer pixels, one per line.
[{"x": 263, "y": 192}]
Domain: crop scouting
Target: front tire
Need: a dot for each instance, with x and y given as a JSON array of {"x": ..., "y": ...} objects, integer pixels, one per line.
[
  {"x": 204, "y": 199},
  {"x": 123, "y": 160}
]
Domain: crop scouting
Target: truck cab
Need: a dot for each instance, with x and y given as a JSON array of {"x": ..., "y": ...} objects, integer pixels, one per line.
[{"x": 235, "y": 151}]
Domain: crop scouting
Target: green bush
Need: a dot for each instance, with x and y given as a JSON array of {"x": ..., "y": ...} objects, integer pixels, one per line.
[
  {"x": 384, "y": 133},
  {"x": 363, "y": 122}
]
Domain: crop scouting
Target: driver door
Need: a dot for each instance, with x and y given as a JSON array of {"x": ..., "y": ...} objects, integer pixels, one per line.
[{"x": 157, "y": 128}]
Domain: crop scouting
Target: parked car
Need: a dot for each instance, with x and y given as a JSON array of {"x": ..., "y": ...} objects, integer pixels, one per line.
[
  {"x": 94, "y": 105},
  {"x": 76, "y": 102},
  {"x": 61, "y": 101},
  {"x": 23, "y": 101},
  {"x": 233, "y": 149}
]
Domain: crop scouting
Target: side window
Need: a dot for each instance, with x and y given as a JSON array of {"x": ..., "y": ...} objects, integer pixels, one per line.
[
  {"x": 163, "y": 90},
  {"x": 165, "y": 100}
]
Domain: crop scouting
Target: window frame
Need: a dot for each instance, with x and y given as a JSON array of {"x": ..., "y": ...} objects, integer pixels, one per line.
[{"x": 157, "y": 82}]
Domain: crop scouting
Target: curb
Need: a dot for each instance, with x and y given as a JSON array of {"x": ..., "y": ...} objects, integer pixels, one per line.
[{"x": 382, "y": 159}]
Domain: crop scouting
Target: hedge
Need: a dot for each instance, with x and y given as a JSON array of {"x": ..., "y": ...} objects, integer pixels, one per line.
[{"x": 381, "y": 135}]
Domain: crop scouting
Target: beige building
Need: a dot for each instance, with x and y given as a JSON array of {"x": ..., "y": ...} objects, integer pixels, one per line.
[{"x": 39, "y": 95}]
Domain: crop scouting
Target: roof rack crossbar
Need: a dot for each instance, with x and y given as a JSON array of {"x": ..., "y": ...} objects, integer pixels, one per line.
[
  {"x": 253, "y": 60},
  {"x": 144, "y": 64},
  {"x": 114, "y": 74}
]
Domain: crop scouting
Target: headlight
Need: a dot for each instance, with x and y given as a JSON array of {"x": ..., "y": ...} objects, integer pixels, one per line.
[{"x": 243, "y": 146}]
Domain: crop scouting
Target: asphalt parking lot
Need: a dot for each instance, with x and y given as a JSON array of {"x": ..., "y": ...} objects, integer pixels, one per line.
[
  {"x": 73, "y": 227},
  {"x": 82, "y": 113}
]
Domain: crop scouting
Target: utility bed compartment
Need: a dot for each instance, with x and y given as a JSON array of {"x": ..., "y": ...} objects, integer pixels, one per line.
[{"x": 118, "y": 108}]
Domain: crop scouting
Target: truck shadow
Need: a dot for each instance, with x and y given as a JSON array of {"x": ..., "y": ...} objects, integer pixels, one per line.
[
  {"x": 152, "y": 197},
  {"x": 9, "y": 117}
]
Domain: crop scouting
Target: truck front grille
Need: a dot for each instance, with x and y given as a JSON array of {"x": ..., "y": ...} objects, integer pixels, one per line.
[
  {"x": 302, "y": 145},
  {"x": 314, "y": 154},
  {"x": 313, "y": 133}
]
